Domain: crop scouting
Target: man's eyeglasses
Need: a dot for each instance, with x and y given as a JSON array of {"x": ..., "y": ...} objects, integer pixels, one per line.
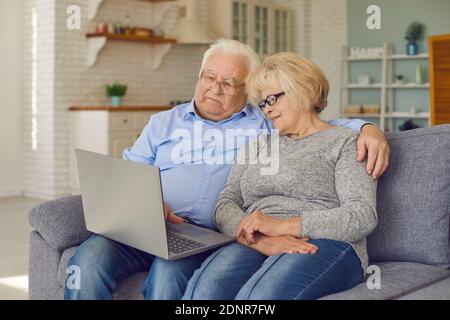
[
  {"x": 229, "y": 87},
  {"x": 270, "y": 100}
]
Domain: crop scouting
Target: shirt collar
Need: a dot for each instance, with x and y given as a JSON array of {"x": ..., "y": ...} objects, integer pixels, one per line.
[
  {"x": 190, "y": 110},
  {"x": 248, "y": 111}
]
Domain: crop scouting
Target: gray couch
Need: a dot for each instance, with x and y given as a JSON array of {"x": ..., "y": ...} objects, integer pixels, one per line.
[{"x": 410, "y": 244}]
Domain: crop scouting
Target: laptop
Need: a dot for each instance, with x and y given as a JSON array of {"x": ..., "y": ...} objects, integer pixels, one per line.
[{"x": 123, "y": 201}]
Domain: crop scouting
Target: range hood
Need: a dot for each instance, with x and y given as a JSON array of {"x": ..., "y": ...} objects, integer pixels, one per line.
[{"x": 189, "y": 29}]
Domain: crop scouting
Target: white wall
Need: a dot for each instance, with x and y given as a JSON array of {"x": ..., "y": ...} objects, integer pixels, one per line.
[
  {"x": 319, "y": 32},
  {"x": 328, "y": 32},
  {"x": 38, "y": 142},
  {"x": 10, "y": 96}
]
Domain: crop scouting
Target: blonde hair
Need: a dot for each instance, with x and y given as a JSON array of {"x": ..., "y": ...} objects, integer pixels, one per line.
[
  {"x": 302, "y": 80},
  {"x": 233, "y": 47}
]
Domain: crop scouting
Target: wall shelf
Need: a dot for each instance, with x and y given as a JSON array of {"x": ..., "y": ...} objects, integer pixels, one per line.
[
  {"x": 399, "y": 115},
  {"x": 96, "y": 42},
  {"x": 390, "y": 57},
  {"x": 362, "y": 115},
  {"x": 409, "y": 86},
  {"x": 387, "y": 89},
  {"x": 132, "y": 38},
  {"x": 407, "y": 115},
  {"x": 358, "y": 86},
  {"x": 364, "y": 59},
  {"x": 391, "y": 86},
  {"x": 408, "y": 57},
  {"x": 121, "y": 108}
]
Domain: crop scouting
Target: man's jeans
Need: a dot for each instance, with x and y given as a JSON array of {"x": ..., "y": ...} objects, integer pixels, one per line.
[
  {"x": 239, "y": 272},
  {"x": 103, "y": 264}
]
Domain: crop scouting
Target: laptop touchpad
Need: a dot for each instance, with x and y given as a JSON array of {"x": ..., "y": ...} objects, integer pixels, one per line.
[{"x": 186, "y": 229}]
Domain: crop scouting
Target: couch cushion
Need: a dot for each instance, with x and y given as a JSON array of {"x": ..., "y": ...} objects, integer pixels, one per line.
[
  {"x": 413, "y": 199},
  {"x": 437, "y": 291},
  {"x": 397, "y": 279},
  {"x": 60, "y": 222}
]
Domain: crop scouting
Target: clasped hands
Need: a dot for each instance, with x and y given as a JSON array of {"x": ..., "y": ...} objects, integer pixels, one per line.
[
  {"x": 264, "y": 233},
  {"x": 271, "y": 236}
]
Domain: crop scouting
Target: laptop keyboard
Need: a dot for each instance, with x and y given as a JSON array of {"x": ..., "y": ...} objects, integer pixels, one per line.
[{"x": 179, "y": 244}]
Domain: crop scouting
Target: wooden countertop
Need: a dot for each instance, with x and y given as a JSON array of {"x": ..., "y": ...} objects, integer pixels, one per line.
[{"x": 119, "y": 109}]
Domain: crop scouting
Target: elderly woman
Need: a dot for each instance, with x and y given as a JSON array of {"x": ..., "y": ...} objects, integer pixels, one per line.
[{"x": 301, "y": 233}]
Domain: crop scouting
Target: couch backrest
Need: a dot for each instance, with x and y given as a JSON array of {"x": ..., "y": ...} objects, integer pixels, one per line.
[{"x": 413, "y": 199}]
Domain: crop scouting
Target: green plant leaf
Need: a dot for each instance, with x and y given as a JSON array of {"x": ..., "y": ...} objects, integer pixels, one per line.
[
  {"x": 116, "y": 90},
  {"x": 414, "y": 32}
]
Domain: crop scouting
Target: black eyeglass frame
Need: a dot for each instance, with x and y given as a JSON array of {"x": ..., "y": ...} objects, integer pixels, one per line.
[{"x": 270, "y": 100}]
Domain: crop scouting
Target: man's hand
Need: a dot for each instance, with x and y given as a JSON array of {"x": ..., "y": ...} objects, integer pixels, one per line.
[
  {"x": 270, "y": 246},
  {"x": 265, "y": 224},
  {"x": 170, "y": 216},
  {"x": 371, "y": 143}
]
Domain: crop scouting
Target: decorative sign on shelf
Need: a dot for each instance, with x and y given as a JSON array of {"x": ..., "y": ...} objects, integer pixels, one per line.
[{"x": 357, "y": 52}]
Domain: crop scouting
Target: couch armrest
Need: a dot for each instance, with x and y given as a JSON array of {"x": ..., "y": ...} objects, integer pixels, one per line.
[{"x": 60, "y": 222}]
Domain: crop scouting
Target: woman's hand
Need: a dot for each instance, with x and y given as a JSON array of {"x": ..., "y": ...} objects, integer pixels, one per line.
[
  {"x": 282, "y": 244},
  {"x": 265, "y": 224}
]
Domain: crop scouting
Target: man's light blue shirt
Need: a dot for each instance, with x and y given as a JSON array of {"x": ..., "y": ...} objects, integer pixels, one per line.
[{"x": 195, "y": 155}]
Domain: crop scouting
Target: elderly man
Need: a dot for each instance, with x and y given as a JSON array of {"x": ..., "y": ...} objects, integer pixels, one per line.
[{"x": 190, "y": 183}]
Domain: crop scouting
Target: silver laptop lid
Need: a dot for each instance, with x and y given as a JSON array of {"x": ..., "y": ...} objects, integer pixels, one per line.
[{"x": 136, "y": 219}]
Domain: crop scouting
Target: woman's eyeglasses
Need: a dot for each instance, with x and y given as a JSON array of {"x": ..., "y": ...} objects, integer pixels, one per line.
[{"x": 270, "y": 100}]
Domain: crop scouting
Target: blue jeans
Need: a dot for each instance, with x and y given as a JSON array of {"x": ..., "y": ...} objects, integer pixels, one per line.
[
  {"x": 167, "y": 279},
  {"x": 239, "y": 272},
  {"x": 103, "y": 264}
]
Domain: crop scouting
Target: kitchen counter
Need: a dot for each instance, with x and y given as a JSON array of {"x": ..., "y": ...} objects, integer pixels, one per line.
[{"x": 120, "y": 109}]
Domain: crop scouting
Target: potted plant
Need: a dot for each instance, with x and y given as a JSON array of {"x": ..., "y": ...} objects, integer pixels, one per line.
[
  {"x": 399, "y": 79},
  {"x": 413, "y": 33},
  {"x": 116, "y": 91},
  {"x": 408, "y": 125}
]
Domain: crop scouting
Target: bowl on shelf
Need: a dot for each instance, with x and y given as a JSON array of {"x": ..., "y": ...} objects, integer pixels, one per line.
[
  {"x": 354, "y": 109},
  {"x": 142, "y": 32},
  {"x": 399, "y": 79},
  {"x": 371, "y": 108}
]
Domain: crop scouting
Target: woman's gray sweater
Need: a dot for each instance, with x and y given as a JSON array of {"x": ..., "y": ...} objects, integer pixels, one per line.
[{"x": 319, "y": 179}]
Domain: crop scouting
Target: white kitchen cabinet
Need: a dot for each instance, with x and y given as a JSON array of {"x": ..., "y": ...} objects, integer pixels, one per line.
[
  {"x": 263, "y": 25},
  {"x": 104, "y": 130}
]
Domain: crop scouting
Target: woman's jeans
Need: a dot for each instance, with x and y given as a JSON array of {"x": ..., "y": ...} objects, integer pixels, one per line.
[
  {"x": 102, "y": 264},
  {"x": 239, "y": 272}
]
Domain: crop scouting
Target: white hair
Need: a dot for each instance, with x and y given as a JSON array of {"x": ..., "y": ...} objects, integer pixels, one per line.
[{"x": 233, "y": 47}]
